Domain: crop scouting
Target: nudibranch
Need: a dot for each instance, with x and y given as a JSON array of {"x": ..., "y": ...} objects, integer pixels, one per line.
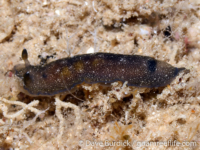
[{"x": 65, "y": 74}]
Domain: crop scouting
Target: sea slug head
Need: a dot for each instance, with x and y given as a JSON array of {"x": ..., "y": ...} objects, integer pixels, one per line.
[
  {"x": 22, "y": 69},
  {"x": 35, "y": 79}
]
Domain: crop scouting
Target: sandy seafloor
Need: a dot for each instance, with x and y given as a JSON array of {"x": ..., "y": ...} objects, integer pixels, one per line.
[{"x": 167, "y": 30}]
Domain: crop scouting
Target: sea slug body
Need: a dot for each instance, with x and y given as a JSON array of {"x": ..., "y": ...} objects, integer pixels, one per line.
[{"x": 65, "y": 74}]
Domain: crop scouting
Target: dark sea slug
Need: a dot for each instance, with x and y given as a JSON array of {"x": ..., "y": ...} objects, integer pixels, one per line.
[{"x": 65, "y": 74}]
